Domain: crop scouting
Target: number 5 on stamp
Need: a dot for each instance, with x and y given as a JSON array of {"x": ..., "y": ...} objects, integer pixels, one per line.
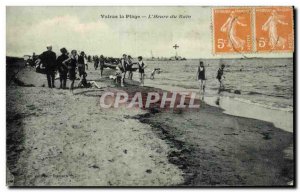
[
  {"x": 274, "y": 29},
  {"x": 232, "y": 30}
]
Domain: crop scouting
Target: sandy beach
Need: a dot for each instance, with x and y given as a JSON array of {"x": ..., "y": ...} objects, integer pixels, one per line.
[{"x": 55, "y": 138}]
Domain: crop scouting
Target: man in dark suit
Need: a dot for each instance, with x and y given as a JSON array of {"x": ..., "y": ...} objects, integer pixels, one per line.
[{"x": 48, "y": 58}]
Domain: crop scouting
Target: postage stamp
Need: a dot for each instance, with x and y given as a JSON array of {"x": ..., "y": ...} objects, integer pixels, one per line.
[
  {"x": 232, "y": 30},
  {"x": 274, "y": 29}
]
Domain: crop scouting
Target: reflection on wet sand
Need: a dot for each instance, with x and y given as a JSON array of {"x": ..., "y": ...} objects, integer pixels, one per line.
[
  {"x": 281, "y": 119},
  {"x": 233, "y": 106}
]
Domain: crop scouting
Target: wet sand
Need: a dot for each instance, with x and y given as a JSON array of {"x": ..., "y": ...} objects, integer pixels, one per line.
[
  {"x": 218, "y": 149},
  {"x": 58, "y": 139}
]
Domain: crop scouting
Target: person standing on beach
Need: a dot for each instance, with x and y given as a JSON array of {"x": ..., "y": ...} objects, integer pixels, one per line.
[
  {"x": 101, "y": 62},
  {"x": 62, "y": 68},
  {"x": 72, "y": 64},
  {"x": 129, "y": 67},
  {"x": 96, "y": 62},
  {"x": 123, "y": 66},
  {"x": 86, "y": 62},
  {"x": 48, "y": 59},
  {"x": 34, "y": 58},
  {"x": 220, "y": 76},
  {"x": 89, "y": 59},
  {"x": 142, "y": 67},
  {"x": 201, "y": 76},
  {"x": 81, "y": 63}
]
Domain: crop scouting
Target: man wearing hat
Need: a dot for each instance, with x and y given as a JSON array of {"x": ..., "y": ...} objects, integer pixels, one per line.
[{"x": 48, "y": 59}]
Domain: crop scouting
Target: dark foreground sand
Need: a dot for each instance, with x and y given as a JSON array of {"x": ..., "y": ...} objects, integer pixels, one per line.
[{"x": 58, "y": 139}]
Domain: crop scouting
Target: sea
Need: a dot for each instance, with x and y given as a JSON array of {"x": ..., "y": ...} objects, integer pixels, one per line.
[{"x": 262, "y": 86}]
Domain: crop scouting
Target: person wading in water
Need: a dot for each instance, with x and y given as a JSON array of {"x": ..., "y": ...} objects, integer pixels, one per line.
[{"x": 201, "y": 76}]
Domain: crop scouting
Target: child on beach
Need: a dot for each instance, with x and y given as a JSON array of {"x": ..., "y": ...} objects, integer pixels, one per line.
[
  {"x": 129, "y": 67},
  {"x": 201, "y": 76},
  {"x": 123, "y": 66},
  {"x": 153, "y": 72},
  {"x": 142, "y": 67},
  {"x": 117, "y": 77},
  {"x": 72, "y": 64},
  {"x": 62, "y": 68},
  {"x": 81, "y": 63},
  {"x": 220, "y": 76}
]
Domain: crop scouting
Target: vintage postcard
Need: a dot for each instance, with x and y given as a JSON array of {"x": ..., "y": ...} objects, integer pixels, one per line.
[{"x": 150, "y": 96}]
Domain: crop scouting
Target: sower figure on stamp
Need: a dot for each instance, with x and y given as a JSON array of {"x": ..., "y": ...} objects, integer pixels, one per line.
[
  {"x": 48, "y": 59},
  {"x": 271, "y": 26},
  {"x": 230, "y": 27}
]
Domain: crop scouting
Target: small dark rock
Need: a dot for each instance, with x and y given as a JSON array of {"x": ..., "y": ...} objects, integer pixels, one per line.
[
  {"x": 266, "y": 136},
  {"x": 237, "y": 92},
  {"x": 95, "y": 167},
  {"x": 44, "y": 175}
]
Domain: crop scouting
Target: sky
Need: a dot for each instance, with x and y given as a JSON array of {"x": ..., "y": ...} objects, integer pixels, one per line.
[{"x": 30, "y": 29}]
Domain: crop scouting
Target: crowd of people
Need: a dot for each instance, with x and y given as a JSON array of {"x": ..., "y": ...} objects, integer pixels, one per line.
[
  {"x": 126, "y": 66},
  {"x": 68, "y": 65}
]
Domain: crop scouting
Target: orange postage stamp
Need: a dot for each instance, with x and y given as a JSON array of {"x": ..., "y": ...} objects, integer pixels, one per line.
[
  {"x": 274, "y": 29},
  {"x": 232, "y": 30}
]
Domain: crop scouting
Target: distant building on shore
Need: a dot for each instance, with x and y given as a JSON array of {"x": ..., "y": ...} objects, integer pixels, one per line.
[{"x": 176, "y": 58}]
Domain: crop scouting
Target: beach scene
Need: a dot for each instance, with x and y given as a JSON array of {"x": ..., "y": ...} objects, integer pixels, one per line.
[{"x": 68, "y": 126}]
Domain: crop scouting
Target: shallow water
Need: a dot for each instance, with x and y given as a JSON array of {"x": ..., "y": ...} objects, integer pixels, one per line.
[
  {"x": 266, "y": 86},
  {"x": 268, "y": 82}
]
